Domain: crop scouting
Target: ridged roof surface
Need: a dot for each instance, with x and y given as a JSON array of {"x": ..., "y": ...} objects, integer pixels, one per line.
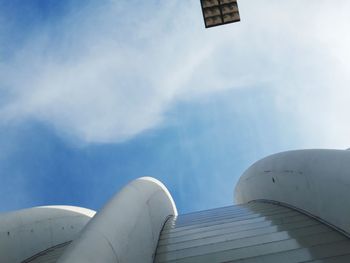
[{"x": 251, "y": 233}]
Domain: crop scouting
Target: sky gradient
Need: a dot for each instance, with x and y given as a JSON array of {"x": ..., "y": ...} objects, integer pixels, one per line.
[{"x": 94, "y": 94}]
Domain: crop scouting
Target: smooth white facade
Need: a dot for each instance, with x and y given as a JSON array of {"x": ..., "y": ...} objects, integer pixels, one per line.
[
  {"x": 127, "y": 229},
  {"x": 27, "y": 232},
  {"x": 316, "y": 181}
]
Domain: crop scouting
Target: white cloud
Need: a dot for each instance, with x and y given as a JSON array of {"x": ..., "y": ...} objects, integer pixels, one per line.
[{"x": 103, "y": 77}]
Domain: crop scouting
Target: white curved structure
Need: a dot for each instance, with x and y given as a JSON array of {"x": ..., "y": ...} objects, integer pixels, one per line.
[
  {"x": 27, "y": 232},
  {"x": 315, "y": 181},
  {"x": 127, "y": 228},
  {"x": 293, "y": 207}
]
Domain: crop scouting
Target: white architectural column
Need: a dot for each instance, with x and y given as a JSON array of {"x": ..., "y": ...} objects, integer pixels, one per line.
[{"x": 127, "y": 229}]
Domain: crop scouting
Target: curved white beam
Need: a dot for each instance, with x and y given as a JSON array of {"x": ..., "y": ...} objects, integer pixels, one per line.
[
  {"x": 127, "y": 228},
  {"x": 315, "y": 181},
  {"x": 26, "y": 232}
]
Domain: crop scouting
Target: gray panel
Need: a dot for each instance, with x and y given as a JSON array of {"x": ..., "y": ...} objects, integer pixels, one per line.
[
  {"x": 221, "y": 221},
  {"x": 334, "y": 259},
  {"x": 236, "y": 227},
  {"x": 331, "y": 252},
  {"x": 178, "y": 223},
  {"x": 252, "y": 246},
  {"x": 227, "y": 210},
  {"x": 308, "y": 226},
  {"x": 256, "y": 232}
]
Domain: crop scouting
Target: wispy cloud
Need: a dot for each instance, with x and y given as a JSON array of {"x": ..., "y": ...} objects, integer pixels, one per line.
[{"x": 110, "y": 71}]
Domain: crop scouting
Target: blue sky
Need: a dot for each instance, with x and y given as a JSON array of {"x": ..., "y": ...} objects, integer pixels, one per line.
[{"x": 94, "y": 94}]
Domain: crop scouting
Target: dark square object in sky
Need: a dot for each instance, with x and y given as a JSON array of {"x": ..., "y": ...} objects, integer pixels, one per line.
[{"x": 219, "y": 12}]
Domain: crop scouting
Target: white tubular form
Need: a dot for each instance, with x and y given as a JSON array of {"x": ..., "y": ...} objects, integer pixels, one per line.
[
  {"x": 127, "y": 229},
  {"x": 27, "y": 232},
  {"x": 315, "y": 181}
]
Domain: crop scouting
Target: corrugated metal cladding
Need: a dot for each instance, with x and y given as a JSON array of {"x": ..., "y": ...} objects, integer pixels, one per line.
[
  {"x": 252, "y": 233},
  {"x": 48, "y": 256}
]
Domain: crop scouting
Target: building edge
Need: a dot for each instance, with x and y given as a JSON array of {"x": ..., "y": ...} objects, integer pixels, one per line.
[{"x": 316, "y": 182}]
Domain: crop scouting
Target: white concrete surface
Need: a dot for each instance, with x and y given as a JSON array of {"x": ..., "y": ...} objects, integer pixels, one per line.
[
  {"x": 26, "y": 232},
  {"x": 316, "y": 181},
  {"x": 127, "y": 228}
]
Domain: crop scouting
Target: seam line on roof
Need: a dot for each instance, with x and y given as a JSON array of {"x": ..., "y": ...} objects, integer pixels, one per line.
[{"x": 305, "y": 213}]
